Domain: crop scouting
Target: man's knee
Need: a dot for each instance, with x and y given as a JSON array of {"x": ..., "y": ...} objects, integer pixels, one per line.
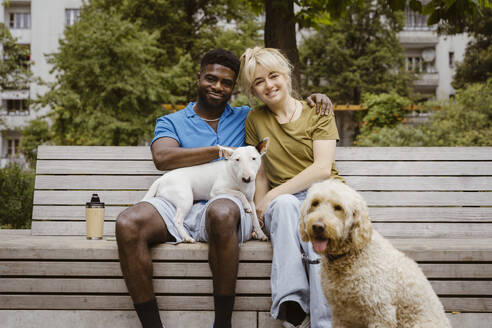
[
  {"x": 127, "y": 227},
  {"x": 223, "y": 217},
  {"x": 284, "y": 207}
]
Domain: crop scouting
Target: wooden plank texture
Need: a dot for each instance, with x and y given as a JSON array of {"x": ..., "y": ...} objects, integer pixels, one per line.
[
  {"x": 184, "y": 303},
  {"x": 120, "y": 319},
  {"x": 396, "y": 214},
  {"x": 112, "y": 269},
  {"x": 383, "y": 198},
  {"x": 96, "y": 302},
  {"x": 357, "y": 168},
  {"x": 195, "y": 286},
  {"x": 342, "y": 153},
  {"x": 24, "y": 246},
  {"x": 391, "y": 229},
  {"x": 366, "y": 183}
]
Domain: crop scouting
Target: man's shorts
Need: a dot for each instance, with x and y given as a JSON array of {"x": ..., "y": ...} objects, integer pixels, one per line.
[{"x": 194, "y": 222}]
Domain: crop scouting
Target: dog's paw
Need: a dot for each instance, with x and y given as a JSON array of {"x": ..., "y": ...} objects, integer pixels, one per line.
[
  {"x": 259, "y": 235},
  {"x": 248, "y": 209},
  {"x": 189, "y": 240}
]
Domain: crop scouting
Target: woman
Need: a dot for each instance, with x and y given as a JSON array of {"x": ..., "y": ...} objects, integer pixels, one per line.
[{"x": 301, "y": 152}]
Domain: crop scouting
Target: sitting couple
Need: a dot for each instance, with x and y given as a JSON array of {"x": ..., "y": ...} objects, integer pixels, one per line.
[{"x": 301, "y": 152}]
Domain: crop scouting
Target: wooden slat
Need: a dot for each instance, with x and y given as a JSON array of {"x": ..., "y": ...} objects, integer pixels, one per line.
[
  {"x": 183, "y": 303},
  {"x": 195, "y": 286},
  {"x": 383, "y": 198},
  {"x": 471, "y": 304},
  {"x": 117, "y": 318},
  {"x": 105, "y": 286},
  {"x": 393, "y": 229},
  {"x": 175, "y": 269},
  {"x": 112, "y": 269},
  {"x": 367, "y": 183},
  {"x": 94, "y": 152},
  {"x": 22, "y": 246},
  {"x": 358, "y": 168},
  {"x": 465, "y": 287},
  {"x": 396, "y": 214},
  {"x": 342, "y": 153},
  {"x": 173, "y": 303}
]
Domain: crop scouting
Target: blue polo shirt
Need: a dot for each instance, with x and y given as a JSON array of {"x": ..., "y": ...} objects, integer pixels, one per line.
[{"x": 190, "y": 131}]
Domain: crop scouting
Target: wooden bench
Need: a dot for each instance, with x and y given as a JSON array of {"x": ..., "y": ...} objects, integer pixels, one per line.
[{"x": 434, "y": 203}]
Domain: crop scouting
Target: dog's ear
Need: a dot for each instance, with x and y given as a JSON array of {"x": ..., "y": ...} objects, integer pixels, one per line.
[
  {"x": 227, "y": 152},
  {"x": 262, "y": 146},
  {"x": 362, "y": 227},
  {"x": 302, "y": 225}
]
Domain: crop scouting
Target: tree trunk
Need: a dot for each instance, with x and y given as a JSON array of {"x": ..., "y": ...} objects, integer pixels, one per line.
[{"x": 280, "y": 33}]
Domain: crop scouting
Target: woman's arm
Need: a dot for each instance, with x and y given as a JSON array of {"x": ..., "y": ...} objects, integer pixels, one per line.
[
  {"x": 261, "y": 189},
  {"x": 324, "y": 154}
]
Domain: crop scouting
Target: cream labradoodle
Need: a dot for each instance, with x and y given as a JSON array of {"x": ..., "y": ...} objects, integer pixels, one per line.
[{"x": 368, "y": 282}]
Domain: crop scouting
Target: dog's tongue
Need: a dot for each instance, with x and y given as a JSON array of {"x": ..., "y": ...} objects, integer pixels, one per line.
[{"x": 320, "y": 245}]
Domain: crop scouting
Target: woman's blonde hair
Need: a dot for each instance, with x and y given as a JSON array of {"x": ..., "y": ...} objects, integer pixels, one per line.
[{"x": 271, "y": 59}]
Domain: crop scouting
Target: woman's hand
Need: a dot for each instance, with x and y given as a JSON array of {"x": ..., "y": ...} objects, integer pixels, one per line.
[{"x": 262, "y": 206}]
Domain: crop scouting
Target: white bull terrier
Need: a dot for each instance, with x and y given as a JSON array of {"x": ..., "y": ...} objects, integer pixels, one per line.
[{"x": 234, "y": 176}]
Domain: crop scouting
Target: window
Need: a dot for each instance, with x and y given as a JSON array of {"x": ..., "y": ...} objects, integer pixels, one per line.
[
  {"x": 451, "y": 59},
  {"x": 414, "y": 64},
  {"x": 15, "y": 106},
  {"x": 12, "y": 147},
  {"x": 20, "y": 20},
  {"x": 71, "y": 16}
]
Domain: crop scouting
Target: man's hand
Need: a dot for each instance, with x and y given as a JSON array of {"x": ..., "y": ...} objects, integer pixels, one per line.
[{"x": 322, "y": 102}]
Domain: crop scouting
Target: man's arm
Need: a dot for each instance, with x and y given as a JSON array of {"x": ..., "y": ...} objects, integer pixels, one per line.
[{"x": 168, "y": 155}]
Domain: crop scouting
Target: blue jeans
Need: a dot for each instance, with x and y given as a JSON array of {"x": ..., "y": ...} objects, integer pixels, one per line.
[{"x": 292, "y": 279}]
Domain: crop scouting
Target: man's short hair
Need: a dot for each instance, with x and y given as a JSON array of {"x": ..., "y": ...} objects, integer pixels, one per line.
[{"x": 221, "y": 57}]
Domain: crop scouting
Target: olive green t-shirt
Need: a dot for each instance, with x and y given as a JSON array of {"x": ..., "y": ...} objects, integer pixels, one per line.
[{"x": 291, "y": 144}]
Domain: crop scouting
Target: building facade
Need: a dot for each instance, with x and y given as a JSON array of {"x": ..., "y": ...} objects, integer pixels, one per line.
[
  {"x": 38, "y": 25},
  {"x": 433, "y": 57}
]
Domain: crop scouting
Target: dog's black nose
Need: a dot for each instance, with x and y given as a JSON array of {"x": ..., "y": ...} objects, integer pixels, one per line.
[
  {"x": 247, "y": 180},
  {"x": 318, "y": 228}
]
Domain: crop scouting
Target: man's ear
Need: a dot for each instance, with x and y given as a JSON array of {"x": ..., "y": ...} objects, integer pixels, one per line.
[{"x": 262, "y": 146}]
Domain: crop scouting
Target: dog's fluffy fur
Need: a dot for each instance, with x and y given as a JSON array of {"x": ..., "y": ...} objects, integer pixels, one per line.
[{"x": 367, "y": 281}]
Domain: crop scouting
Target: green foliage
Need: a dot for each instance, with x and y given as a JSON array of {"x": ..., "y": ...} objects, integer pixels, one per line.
[
  {"x": 15, "y": 72},
  {"x": 464, "y": 122},
  {"x": 359, "y": 53},
  {"x": 16, "y": 193},
  {"x": 36, "y": 133},
  {"x": 477, "y": 63},
  {"x": 108, "y": 88},
  {"x": 384, "y": 110}
]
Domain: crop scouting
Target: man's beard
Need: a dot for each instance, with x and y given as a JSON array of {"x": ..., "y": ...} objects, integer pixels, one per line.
[{"x": 202, "y": 97}]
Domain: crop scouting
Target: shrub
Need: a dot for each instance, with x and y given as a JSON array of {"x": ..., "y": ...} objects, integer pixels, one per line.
[{"x": 16, "y": 194}]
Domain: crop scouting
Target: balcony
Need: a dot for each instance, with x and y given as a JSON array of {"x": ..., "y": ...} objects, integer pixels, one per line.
[{"x": 418, "y": 39}]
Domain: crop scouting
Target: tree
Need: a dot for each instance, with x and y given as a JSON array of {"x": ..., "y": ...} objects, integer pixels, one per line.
[
  {"x": 477, "y": 63},
  {"x": 359, "y": 53},
  {"x": 16, "y": 193},
  {"x": 108, "y": 90},
  {"x": 281, "y": 19},
  {"x": 15, "y": 72},
  {"x": 465, "y": 121}
]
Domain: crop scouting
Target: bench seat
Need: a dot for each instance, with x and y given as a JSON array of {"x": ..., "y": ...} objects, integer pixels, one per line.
[{"x": 434, "y": 204}]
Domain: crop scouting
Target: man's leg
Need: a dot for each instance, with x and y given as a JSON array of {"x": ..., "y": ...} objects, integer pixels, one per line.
[
  {"x": 137, "y": 228},
  {"x": 222, "y": 220}
]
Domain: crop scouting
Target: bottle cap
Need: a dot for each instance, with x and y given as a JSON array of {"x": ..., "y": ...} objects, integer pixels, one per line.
[{"x": 95, "y": 202}]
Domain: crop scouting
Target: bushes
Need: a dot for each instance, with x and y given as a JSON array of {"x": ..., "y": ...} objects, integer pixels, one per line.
[
  {"x": 16, "y": 194},
  {"x": 465, "y": 121}
]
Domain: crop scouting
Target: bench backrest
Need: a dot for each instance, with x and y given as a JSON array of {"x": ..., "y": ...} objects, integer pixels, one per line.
[{"x": 412, "y": 192}]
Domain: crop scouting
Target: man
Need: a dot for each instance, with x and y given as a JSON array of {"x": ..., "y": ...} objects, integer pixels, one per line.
[{"x": 189, "y": 137}]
